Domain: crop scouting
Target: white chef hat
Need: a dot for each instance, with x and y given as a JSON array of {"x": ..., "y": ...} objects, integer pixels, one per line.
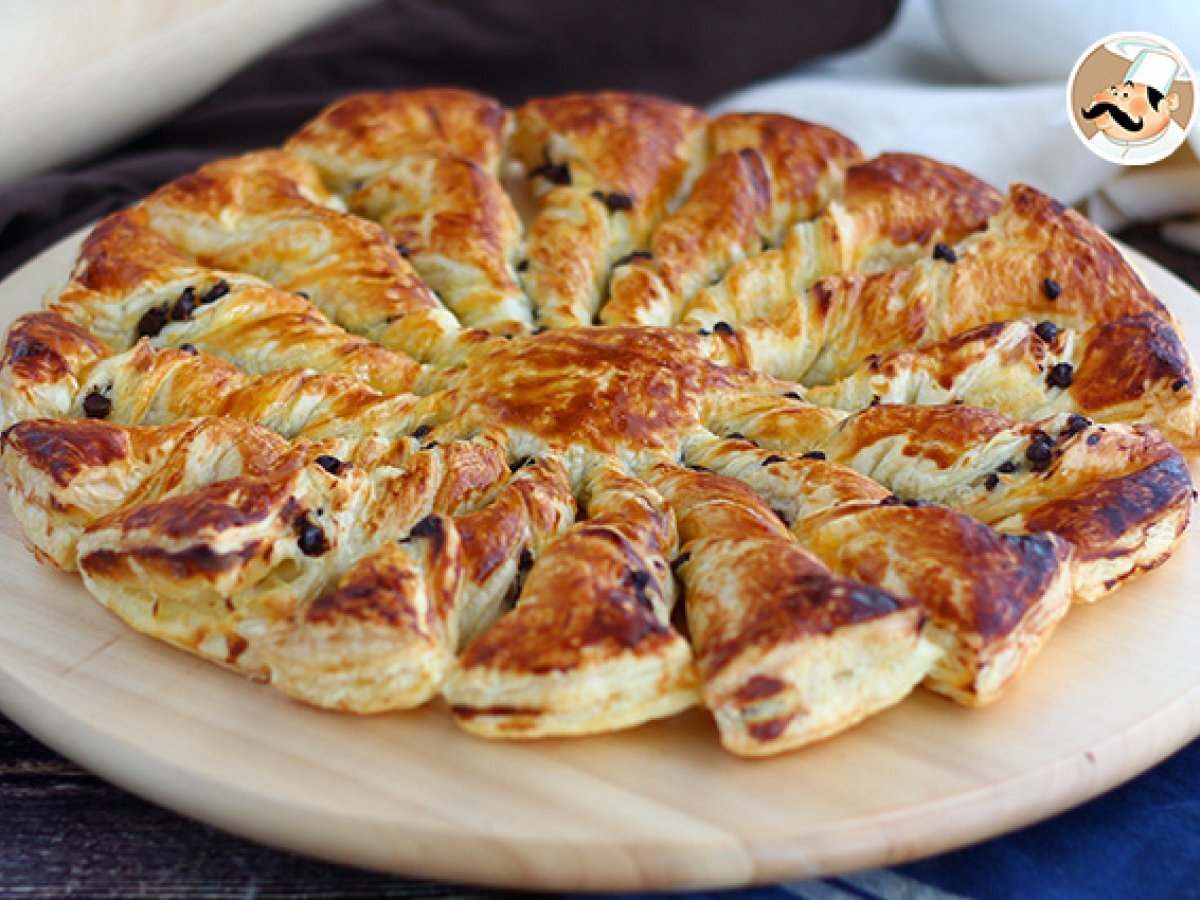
[{"x": 1153, "y": 64}]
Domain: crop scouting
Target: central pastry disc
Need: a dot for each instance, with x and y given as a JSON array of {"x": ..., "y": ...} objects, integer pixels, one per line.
[{"x": 634, "y": 387}]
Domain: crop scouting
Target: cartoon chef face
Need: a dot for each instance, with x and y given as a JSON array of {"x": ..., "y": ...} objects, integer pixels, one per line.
[{"x": 1131, "y": 111}]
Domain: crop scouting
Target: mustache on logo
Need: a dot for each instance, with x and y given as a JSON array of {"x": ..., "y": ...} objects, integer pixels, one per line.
[{"x": 1122, "y": 118}]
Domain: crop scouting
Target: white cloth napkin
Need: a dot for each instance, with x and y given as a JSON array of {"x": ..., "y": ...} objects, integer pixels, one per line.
[{"x": 909, "y": 91}]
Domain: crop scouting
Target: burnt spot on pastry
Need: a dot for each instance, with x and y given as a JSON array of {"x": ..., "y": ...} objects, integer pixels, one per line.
[
  {"x": 96, "y": 405},
  {"x": 1051, "y": 289},
  {"x": 198, "y": 561},
  {"x": 1060, "y": 375},
  {"x": 1099, "y": 518},
  {"x": 64, "y": 448},
  {"x": 152, "y": 321},
  {"x": 518, "y": 464},
  {"x": 523, "y": 266},
  {"x": 309, "y": 537},
  {"x": 1126, "y": 356},
  {"x": 944, "y": 252}
]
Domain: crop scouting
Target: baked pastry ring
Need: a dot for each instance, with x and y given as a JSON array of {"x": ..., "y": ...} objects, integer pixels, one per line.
[{"x": 582, "y": 414}]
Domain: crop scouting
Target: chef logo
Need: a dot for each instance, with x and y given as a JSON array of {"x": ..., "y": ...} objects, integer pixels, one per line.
[{"x": 1132, "y": 99}]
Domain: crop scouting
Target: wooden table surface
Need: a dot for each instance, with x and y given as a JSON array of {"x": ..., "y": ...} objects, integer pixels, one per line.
[{"x": 64, "y": 832}]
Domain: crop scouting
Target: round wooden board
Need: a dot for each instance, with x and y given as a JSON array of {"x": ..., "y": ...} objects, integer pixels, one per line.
[{"x": 662, "y": 806}]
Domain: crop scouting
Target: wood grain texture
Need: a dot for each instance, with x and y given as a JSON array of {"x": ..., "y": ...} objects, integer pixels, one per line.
[{"x": 1118, "y": 688}]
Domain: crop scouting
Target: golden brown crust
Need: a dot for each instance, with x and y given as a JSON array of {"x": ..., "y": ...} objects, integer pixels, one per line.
[
  {"x": 905, "y": 199},
  {"x": 806, "y": 162},
  {"x": 351, "y": 512},
  {"x": 362, "y": 135}
]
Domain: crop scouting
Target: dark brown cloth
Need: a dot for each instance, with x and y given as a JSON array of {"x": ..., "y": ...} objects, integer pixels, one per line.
[{"x": 693, "y": 50}]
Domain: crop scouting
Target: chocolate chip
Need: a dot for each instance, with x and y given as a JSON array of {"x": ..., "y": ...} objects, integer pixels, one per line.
[
  {"x": 1047, "y": 331},
  {"x": 309, "y": 536},
  {"x": 523, "y": 266},
  {"x": 1075, "y": 424},
  {"x": 329, "y": 463},
  {"x": 1060, "y": 375},
  {"x": 640, "y": 579},
  {"x": 735, "y": 436},
  {"x": 992, "y": 481},
  {"x": 630, "y": 257},
  {"x": 700, "y": 469},
  {"x": 96, "y": 405},
  {"x": 302, "y": 294},
  {"x": 1179, "y": 384},
  {"x": 723, "y": 328},
  {"x": 432, "y": 445},
  {"x": 219, "y": 290},
  {"x": 430, "y": 526},
  {"x": 1093, "y": 440},
  {"x": 944, "y": 252},
  {"x": 402, "y": 250},
  {"x": 614, "y": 201},
  {"x": 525, "y": 562},
  {"x": 704, "y": 332},
  {"x": 813, "y": 454},
  {"x": 184, "y": 306},
  {"x": 189, "y": 349},
  {"x": 779, "y": 515},
  {"x": 913, "y": 503},
  {"x": 152, "y": 321},
  {"x": 793, "y": 395},
  {"x": 555, "y": 174},
  {"x": 519, "y": 464},
  {"x": 1007, "y": 467},
  {"x": 1051, "y": 289},
  {"x": 421, "y": 430},
  {"x": 890, "y": 500},
  {"x": 1040, "y": 451},
  {"x": 875, "y": 600},
  {"x": 874, "y": 400}
]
